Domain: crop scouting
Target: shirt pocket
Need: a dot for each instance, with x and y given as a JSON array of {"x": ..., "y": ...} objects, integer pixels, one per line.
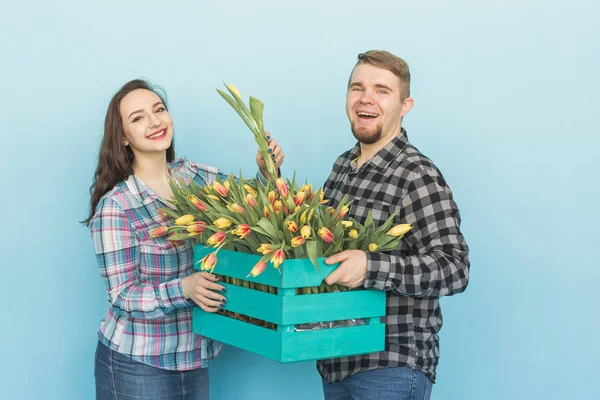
[
  {"x": 161, "y": 260},
  {"x": 380, "y": 210}
]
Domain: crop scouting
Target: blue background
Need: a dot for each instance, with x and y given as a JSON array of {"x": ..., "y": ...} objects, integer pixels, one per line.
[{"x": 505, "y": 98}]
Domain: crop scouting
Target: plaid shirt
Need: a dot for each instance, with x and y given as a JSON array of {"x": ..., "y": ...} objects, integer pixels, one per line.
[
  {"x": 432, "y": 261},
  {"x": 149, "y": 318}
]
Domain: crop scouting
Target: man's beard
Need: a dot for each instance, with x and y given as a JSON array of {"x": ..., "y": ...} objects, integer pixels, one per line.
[{"x": 367, "y": 136}]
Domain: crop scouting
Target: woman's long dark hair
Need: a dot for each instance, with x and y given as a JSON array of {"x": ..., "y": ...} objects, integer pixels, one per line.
[{"x": 115, "y": 160}]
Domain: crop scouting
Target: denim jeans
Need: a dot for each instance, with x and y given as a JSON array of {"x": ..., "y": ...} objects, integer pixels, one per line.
[
  {"x": 398, "y": 383},
  {"x": 118, "y": 377}
]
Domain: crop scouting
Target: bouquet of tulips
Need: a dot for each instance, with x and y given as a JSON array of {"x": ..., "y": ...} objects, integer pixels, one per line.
[{"x": 279, "y": 219}]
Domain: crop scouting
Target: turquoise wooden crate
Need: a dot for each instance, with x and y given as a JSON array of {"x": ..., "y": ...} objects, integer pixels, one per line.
[{"x": 286, "y": 309}]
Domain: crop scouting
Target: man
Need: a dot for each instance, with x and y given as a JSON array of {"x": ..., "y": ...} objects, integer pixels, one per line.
[{"x": 384, "y": 173}]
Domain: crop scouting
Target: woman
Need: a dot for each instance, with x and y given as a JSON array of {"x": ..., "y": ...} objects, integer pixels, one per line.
[{"x": 146, "y": 345}]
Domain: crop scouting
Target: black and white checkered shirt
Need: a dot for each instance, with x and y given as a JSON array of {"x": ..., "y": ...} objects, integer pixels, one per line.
[{"x": 432, "y": 261}]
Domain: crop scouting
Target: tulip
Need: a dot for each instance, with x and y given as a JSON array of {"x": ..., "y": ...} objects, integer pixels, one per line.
[
  {"x": 325, "y": 234},
  {"x": 266, "y": 212},
  {"x": 399, "y": 230},
  {"x": 322, "y": 199},
  {"x": 272, "y": 196},
  {"x": 250, "y": 190},
  {"x": 197, "y": 202},
  {"x": 222, "y": 223},
  {"x": 307, "y": 189},
  {"x": 212, "y": 196},
  {"x": 292, "y": 226},
  {"x": 303, "y": 216},
  {"x": 236, "y": 208},
  {"x": 305, "y": 231},
  {"x": 227, "y": 185},
  {"x": 185, "y": 219},
  {"x": 220, "y": 189},
  {"x": 209, "y": 262},
  {"x": 281, "y": 187},
  {"x": 258, "y": 269},
  {"x": 278, "y": 258},
  {"x": 286, "y": 210},
  {"x": 196, "y": 227},
  {"x": 299, "y": 198},
  {"x": 158, "y": 232},
  {"x": 216, "y": 239},
  {"x": 235, "y": 91},
  {"x": 265, "y": 249},
  {"x": 242, "y": 230},
  {"x": 343, "y": 212},
  {"x": 162, "y": 213},
  {"x": 353, "y": 234},
  {"x": 277, "y": 206},
  {"x": 372, "y": 247},
  {"x": 297, "y": 241},
  {"x": 347, "y": 224},
  {"x": 250, "y": 200}
]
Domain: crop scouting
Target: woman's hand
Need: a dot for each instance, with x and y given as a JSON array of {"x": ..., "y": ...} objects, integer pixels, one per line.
[
  {"x": 276, "y": 154},
  {"x": 199, "y": 287}
]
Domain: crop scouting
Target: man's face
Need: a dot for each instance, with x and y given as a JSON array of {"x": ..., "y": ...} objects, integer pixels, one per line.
[{"x": 374, "y": 104}]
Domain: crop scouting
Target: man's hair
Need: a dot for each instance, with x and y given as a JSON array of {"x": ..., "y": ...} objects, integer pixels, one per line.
[{"x": 386, "y": 60}]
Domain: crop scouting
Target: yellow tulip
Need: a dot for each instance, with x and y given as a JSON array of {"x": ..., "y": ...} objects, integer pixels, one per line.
[
  {"x": 222, "y": 223},
  {"x": 353, "y": 234},
  {"x": 184, "y": 219},
  {"x": 372, "y": 247},
  {"x": 305, "y": 231},
  {"x": 235, "y": 91},
  {"x": 399, "y": 230},
  {"x": 347, "y": 224}
]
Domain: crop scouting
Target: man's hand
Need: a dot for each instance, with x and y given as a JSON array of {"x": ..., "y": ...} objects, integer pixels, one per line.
[
  {"x": 276, "y": 154},
  {"x": 352, "y": 271}
]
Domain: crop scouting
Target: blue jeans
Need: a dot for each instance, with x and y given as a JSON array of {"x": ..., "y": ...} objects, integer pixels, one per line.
[
  {"x": 398, "y": 383},
  {"x": 118, "y": 377}
]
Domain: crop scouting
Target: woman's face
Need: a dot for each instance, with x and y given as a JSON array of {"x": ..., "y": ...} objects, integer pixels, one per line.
[{"x": 147, "y": 124}]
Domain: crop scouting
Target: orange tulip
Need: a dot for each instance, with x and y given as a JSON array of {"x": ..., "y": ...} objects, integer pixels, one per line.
[
  {"x": 277, "y": 206},
  {"x": 297, "y": 241},
  {"x": 236, "y": 208},
  {"x": 278, "y": 258},
  {"x": 299, "y": 198},
  {"x": 272, "y": 196},
  {"x": 266, "y": 212},
  {"x": 325, "y": 234},
  {"x": 242, "y": 230},
  {"x": 158, "y": 232},
  {"x": 216, "y": 239},
  {"x": 197, "y": 202},
  {"x": 258, "y": 269},
  {"x": 250, "y": 200},
  {"x": 220, "y": 189},
  {"x": 343, "y": 212},
  {"x": 197, "y": 227},
  {"x": 209, "y": 262},
  {"x": 292, "y": 226},
  {"x": 281, "y": 187}
]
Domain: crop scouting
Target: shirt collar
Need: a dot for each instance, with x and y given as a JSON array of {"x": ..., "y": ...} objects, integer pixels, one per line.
[{"x": 382, "y": 159}]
